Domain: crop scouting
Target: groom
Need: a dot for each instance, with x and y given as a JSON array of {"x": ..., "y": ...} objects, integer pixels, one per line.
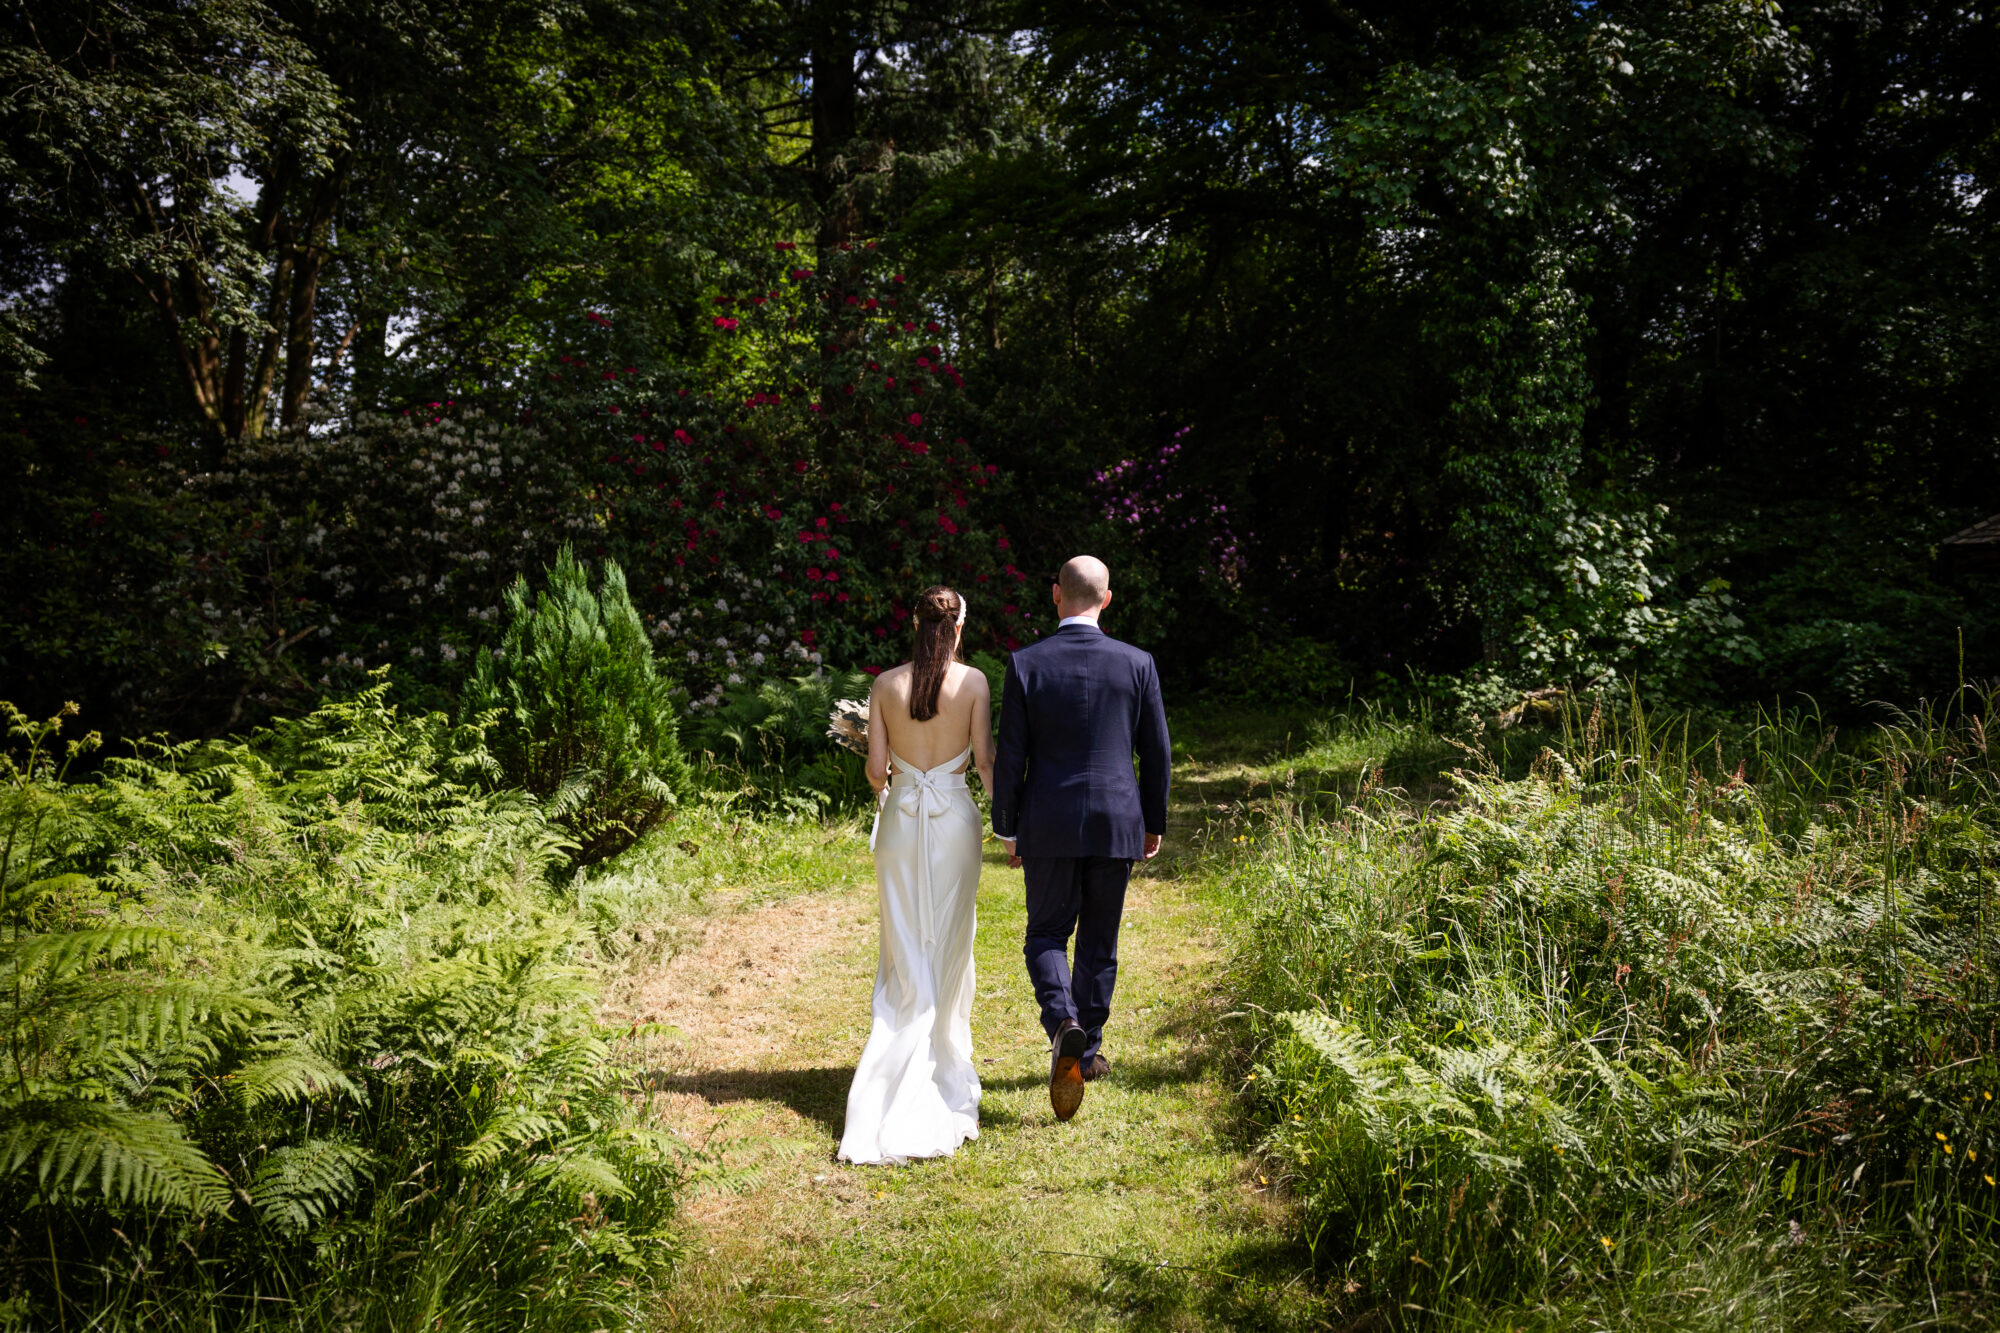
[{"x": 1071, "y": 813}]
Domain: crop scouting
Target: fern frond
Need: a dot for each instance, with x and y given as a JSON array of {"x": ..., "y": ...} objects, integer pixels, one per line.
[
  {"x": 507, "y": 1130},
  {"x": 291, "y": 1076},
  {"x": 74, "y": 1146},
  {"x": 298, "y": 1185}
]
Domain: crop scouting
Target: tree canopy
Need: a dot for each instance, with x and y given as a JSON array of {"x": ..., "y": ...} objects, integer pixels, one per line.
[{"x": 1521, "y": 343}]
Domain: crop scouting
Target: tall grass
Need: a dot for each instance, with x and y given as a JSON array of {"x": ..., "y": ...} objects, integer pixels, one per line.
[{"x": 1669, "y": 1025}]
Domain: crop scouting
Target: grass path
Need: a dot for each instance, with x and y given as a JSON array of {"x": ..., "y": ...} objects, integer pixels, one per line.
[{"x": 1143, "y": 1212}]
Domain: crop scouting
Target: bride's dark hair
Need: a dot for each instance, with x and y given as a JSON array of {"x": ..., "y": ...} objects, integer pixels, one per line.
[{"x": 937, "y": 645}]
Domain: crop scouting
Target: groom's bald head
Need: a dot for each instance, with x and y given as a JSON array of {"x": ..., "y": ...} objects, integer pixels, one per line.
[{"x": 1082, "y": 585}]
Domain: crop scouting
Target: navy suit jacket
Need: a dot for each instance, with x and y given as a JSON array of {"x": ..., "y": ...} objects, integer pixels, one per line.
[{"x": 1075, "y": 708}]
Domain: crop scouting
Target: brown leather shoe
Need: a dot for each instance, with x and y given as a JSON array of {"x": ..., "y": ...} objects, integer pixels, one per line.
[
  {"x": 1066, "y": 1070},
  {"x": 1095, "y": 1068}
]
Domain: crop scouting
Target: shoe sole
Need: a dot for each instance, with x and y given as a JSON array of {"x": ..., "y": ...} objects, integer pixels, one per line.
[{"x": 1066, "y": 1080}]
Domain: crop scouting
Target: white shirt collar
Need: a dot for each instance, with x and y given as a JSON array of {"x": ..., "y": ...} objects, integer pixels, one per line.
[{"x": 1091, "y": 621}]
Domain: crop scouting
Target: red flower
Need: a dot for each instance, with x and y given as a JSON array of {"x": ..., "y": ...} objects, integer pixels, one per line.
[
  {"x": 809, "y": 637},
  {"x": 873, "y": 671},
  {"x": 596, "y": 318},
  {"x": 682, "y": 437},
  {"x": 916, "y": 419},
  {"x": 895, "y": 277},
  {"x": 815, "y": 573},
  {"x": 881, "y": 632},
  {"x": 932, "y": 327},
  {"x": 842, "y": 597},
  {"x": 799, "y": 467},
  {"x": 832, "y": 576},
  {"x": 783, "y": 246}
]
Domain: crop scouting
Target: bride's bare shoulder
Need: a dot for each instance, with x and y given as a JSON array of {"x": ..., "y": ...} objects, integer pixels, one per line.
[
  {"x": 968, "y": 678},
  {"x": 893, "y": 678}
]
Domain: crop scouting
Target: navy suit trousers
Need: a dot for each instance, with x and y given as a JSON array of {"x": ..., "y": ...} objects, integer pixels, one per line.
[{"x": 1084, "y": 894}]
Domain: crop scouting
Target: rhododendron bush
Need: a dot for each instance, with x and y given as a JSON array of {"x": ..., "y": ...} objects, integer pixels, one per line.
[
  {"x": 787, "y": 506},
  {"x": 777, "y": 497}
]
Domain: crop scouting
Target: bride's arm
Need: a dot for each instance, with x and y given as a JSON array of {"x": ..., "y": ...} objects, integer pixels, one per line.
[
  {"x": 982, "y": 729},
  {"x": 878, "y": 741}
]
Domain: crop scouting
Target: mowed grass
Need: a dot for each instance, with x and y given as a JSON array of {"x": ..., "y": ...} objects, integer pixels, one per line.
[{"x": 1147, "y": 1210}]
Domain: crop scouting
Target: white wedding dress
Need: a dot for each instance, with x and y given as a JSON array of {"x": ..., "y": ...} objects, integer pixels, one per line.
[{"x": 915, "y": 1093}]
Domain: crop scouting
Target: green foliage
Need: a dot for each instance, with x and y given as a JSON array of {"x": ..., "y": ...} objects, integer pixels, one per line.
[
  {"x": 582, "y": 716},
  {"x": 1601, "y": 1022},
  {"x": 771, "y": 740},
  {"x": 299, "y": 1020},
  {"x": 1261, "y": 670}
]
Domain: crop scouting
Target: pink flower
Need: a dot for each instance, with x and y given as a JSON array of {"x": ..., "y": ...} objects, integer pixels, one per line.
[
  {"x": 1005, "y": 544},
  {"x": 916, "y": 419},
  {"x": 815, "y": 573}
]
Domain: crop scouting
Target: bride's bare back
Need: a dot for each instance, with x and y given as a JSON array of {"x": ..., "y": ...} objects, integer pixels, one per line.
[{"x": 964, "y": 717}]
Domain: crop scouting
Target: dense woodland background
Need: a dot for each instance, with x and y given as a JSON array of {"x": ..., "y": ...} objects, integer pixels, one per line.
[{"x": 1502, "y": 344}]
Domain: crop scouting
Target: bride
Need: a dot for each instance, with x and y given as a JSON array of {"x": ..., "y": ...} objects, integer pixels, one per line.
[{"x": 915, "y": 1093}]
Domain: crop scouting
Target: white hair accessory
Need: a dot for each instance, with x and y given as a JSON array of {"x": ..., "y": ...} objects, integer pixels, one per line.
[{"x": 961, "y": 610}]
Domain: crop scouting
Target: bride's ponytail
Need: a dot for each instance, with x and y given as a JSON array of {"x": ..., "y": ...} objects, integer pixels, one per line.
[{"x": 938, "y": 612}]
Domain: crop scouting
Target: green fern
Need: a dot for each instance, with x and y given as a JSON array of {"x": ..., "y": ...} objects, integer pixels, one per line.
[{"x": 279, "y": 1009}]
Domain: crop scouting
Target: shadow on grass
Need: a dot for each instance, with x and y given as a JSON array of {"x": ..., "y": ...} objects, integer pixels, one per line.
[
  {"x": 1256, "y": 1284},
  {"x": 818, "y": 1094}
]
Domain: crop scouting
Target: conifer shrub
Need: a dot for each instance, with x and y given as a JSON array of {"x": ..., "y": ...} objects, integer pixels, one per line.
[{"x": 578, "y": 712}]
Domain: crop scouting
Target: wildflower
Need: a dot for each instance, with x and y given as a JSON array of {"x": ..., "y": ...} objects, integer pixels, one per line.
[{"x": 1605, "y": 1241}]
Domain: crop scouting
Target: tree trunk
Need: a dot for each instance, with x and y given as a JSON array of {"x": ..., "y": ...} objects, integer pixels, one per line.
[{"x": 833, "y": 125}]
